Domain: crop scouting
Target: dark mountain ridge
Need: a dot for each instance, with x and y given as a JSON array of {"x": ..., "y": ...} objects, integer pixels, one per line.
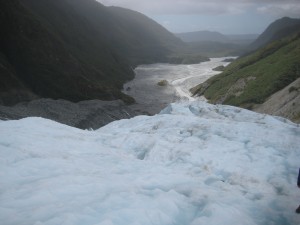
[
  {"x": 145, "y": 40},
  {"x": 74, "y": 49},
  {"x": 277, "y": 30}
]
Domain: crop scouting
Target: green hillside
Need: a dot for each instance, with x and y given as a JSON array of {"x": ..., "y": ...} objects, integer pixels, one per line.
[{"x": 252, "y": 79}]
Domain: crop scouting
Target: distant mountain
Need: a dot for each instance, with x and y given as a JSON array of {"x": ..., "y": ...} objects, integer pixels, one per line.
[
  {"x": 278, "y": 29},
  {"x": 212, "y": 36},
  {"x": 215, "y": 44},
  {"x": 242, "y": 39},
  {"x": 74, "y": 49},
  {"x": 242, "y": 36},
  {"x": 199, "y": 36},
  {"x": 216, "y": 49},
  {"x": 251, "y": 80}
]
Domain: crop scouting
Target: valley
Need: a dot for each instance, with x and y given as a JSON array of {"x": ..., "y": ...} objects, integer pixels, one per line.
[
  {"x": 151, "y": 97},
  {"x": 109, "y": 117}
]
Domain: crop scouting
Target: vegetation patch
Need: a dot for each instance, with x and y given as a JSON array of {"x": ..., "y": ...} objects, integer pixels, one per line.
[
  {"x": 229, "y": 60},
  {"x": 219, "y": 68},
  {"x": 162, "y": 83}
]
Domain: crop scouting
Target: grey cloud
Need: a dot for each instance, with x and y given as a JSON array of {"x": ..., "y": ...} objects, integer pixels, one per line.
[
  {"x": 206, "y": 7},
  {"x": 279, "y": 10},
  {"x": 178, "y": 6}
]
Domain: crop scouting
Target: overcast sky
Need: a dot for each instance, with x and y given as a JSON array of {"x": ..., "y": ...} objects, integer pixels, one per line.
[{"x": 225, "y": 16}]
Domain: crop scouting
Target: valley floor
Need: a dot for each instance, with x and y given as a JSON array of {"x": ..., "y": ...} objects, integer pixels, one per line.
[{"x": 151, "y": 98}]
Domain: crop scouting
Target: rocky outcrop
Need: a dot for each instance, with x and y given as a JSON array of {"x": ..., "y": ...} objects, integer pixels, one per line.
[
  {"x": 85, "y": 115},
  {"x": 284, "y": 103}
]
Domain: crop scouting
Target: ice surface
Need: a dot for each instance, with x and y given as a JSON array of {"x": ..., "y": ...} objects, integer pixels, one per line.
[{"x": 192, "y": 164}]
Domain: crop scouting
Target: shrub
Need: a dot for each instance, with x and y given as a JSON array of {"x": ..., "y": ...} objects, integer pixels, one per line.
[{"x": 162, "y": 83}]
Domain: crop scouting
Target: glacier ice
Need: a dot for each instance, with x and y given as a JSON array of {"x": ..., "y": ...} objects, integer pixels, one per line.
[{"x": 192, "y": 164}]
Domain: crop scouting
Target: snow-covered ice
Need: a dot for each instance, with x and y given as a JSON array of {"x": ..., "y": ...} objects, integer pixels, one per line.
[{"x": 192, "y": 164}]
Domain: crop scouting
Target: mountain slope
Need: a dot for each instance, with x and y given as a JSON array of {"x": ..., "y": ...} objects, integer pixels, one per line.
[
  {"x": 12, "y": 88},
  {"x": 277, "y": 30},
  {"x": 143, "y": 40},
  {"x": 127, "y": 32},
  {"x": 77, "y": 49},
  {"x": 252, "y": 79},
  {"x": 45, "y": 63}
]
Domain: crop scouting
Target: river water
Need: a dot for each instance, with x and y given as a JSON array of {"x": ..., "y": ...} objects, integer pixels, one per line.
[{"x": 152, "y": 98}]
